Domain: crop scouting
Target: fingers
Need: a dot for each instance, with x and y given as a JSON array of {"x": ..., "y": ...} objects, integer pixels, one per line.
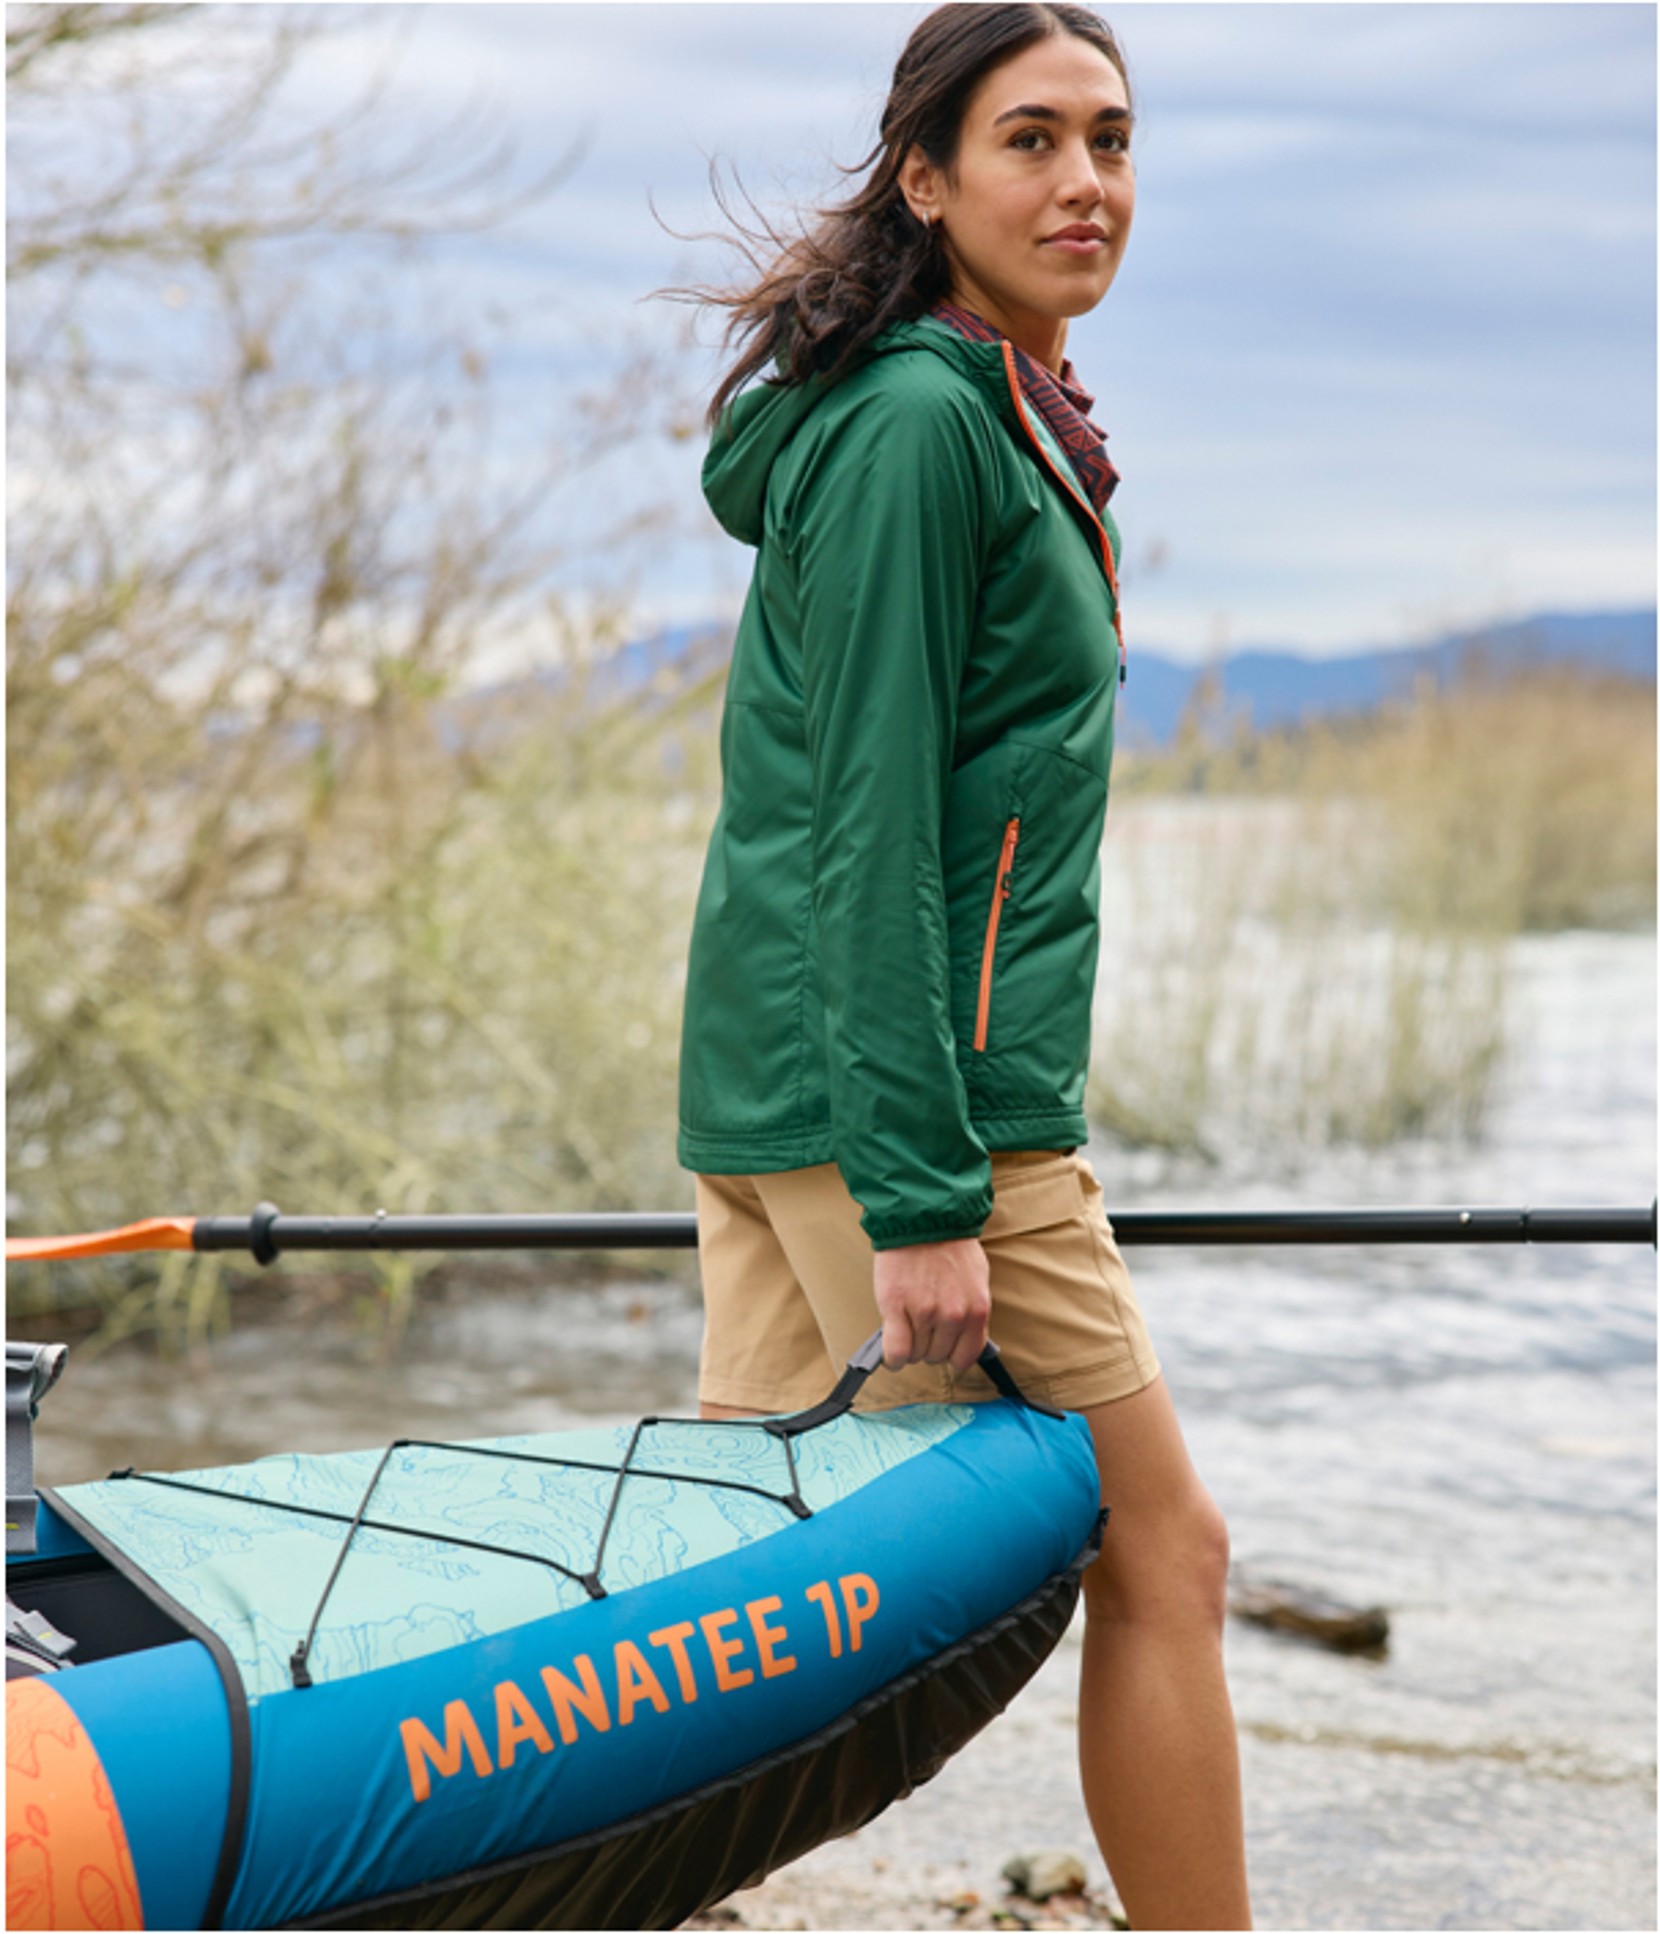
[
  {"x": 935, "y": 1300},
  {"x": 898, "y": 1340},
  {"x": 955, "y": 1339},
  {"x": 971, "y": 1340}
]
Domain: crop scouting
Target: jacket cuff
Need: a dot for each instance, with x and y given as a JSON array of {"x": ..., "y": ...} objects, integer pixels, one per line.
[{"x": 889, "y": 1232}]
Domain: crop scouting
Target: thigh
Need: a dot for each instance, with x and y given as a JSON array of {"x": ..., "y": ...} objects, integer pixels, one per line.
[
  {"x": 789, "y": 1289},
  {"x": 1063, "y": 1310},
  {"x": 817, "y": 1224},
  {"x": 762, "y": 1348}
]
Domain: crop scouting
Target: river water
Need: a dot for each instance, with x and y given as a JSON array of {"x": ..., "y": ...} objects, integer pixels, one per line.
[{"x": 1463, "y": 1436}]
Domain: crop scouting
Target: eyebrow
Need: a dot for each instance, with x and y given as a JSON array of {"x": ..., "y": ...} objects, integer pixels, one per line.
[{"x": 1033, "y": 112}]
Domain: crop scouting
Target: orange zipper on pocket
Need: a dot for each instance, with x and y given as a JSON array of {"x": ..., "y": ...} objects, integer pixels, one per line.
[{"x": 999, "y": 893}]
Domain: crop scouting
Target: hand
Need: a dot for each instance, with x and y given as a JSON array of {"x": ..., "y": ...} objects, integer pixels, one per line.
[{"x": 935, "y": 1299}]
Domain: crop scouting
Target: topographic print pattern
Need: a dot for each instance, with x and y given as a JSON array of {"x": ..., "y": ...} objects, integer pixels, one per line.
[
  {"x": 254, "y": 1575},
  {"x": 67, "y": 1859}
]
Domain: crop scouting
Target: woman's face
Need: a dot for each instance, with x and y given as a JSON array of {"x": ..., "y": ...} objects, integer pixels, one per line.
[{"x": 1036, "y": 221}]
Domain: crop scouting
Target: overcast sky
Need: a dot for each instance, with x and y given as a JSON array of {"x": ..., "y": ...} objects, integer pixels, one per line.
[{"x": 1380, "y": 362}]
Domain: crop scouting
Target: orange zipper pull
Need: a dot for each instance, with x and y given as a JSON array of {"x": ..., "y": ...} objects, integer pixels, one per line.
[{"x": 999, "y": 893}]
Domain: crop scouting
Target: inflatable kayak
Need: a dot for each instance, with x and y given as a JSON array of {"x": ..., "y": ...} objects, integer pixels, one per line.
[{"x": 590, "y": 1679}]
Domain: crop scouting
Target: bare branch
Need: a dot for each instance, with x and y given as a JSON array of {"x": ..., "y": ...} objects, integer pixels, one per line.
[{"x": 34, "y": 34}]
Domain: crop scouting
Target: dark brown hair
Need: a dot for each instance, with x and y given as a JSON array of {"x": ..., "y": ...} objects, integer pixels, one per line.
[{"x": 866, "y": 262}]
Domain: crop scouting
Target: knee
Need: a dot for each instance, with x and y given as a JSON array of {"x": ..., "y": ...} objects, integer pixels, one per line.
[
  {"x": 1168, "y": 1569},
  {"x": 1212, "y": 1554}
]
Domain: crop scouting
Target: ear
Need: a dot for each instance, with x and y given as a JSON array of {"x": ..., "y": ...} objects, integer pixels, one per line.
[{"x": 921, "y": 185}]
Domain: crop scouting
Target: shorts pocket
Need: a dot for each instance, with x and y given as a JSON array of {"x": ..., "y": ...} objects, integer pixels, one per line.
[{"x": 1033, "y": 1195}]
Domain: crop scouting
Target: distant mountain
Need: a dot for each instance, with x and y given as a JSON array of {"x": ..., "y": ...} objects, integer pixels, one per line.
[
  {"x": 643, "y": 673},
  {"x": 1272, "y": 688},
  {"x": 1269, "y": 688}
]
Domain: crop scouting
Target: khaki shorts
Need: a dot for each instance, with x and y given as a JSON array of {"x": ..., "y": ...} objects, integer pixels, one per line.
[{"x": 788, "y": 1291}]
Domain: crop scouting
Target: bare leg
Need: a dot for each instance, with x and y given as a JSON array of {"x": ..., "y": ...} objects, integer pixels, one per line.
[{"x": 1157, "y": 1746}]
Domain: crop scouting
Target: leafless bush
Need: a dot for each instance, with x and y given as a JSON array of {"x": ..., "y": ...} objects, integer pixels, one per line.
[{"x": 290, "y": 914}]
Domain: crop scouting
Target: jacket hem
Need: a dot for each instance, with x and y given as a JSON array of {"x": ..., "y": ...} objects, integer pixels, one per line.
[
  {"x": 727, "y": 1152},
  {"x": 1039, "y": 1128},
  {"x": 769, "y": 1152}
]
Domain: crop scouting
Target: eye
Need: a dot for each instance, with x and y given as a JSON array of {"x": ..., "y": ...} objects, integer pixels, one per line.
[
  {"x": 1115, "y": 140},
  {"x": 1026, "y": 136}
]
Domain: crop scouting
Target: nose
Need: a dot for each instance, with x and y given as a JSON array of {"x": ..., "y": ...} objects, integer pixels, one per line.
[{"x": 1080, "y": 184}]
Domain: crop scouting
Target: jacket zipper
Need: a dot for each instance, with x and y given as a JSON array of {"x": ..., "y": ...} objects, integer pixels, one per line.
[
  {"x": 1072, "y": 490},
  {"x": 999, "y": 893}
]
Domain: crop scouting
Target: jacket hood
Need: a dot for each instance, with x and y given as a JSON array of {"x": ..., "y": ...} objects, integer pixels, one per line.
[{"x": 756, "y": 428}]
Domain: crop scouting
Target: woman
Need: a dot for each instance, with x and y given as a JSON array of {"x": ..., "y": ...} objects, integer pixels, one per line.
[{"x": 888, "y": 998}]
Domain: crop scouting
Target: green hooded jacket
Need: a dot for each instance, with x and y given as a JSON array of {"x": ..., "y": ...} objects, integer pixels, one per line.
[{"x": 893, "y": 957}]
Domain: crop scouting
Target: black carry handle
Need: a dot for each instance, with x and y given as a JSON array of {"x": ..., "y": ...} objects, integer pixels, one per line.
[{"x": 868, "y": 1358}]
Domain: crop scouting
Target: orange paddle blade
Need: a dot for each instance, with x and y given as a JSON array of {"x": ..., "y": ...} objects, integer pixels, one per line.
[{"x": 160, "y": 1232}]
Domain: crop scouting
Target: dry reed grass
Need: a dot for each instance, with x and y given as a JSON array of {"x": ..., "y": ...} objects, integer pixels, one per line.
[
  {"x": 1513, "y": 804},
  {"x": 1308, "y": 931}
]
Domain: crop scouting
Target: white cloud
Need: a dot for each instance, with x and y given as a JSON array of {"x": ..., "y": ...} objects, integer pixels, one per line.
[{"x": 1383, "y": 342}]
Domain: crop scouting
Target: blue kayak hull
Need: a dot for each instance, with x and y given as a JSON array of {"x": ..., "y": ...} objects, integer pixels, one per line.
[{"x": 620, "y": 1761}]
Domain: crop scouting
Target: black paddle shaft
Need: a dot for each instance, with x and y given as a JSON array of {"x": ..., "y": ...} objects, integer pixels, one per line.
[{"x": 267, "y": 1233}]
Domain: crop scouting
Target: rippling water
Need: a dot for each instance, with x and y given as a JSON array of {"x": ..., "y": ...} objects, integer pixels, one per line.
[{"x": 1465, "y": 1436}]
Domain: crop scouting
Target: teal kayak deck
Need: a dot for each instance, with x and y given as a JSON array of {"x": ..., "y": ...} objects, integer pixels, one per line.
[{"x": 234, "y": 1546}]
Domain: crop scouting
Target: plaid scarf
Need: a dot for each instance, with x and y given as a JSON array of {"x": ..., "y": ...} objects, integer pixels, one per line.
[{"x": 1062, "y": 401}]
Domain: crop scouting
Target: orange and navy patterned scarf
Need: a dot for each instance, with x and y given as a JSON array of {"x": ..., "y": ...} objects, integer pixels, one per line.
[{"x": 1061, "y": 400}]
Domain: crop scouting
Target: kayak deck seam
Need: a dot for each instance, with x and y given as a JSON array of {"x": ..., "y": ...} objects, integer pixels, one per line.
[{"x": 230, "y": 1678}]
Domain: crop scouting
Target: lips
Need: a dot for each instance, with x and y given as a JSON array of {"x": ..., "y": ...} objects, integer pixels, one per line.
[
  {"x": 1083, "y": 240},
  {"x": 1082, "y": 243}
]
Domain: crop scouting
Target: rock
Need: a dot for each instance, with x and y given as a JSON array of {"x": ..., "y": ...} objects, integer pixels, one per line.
[
  {"x": 963, "y": 1903},
  {"x": 1310, "y": 1615},
  {"x": 1051, "y": 1870}
]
